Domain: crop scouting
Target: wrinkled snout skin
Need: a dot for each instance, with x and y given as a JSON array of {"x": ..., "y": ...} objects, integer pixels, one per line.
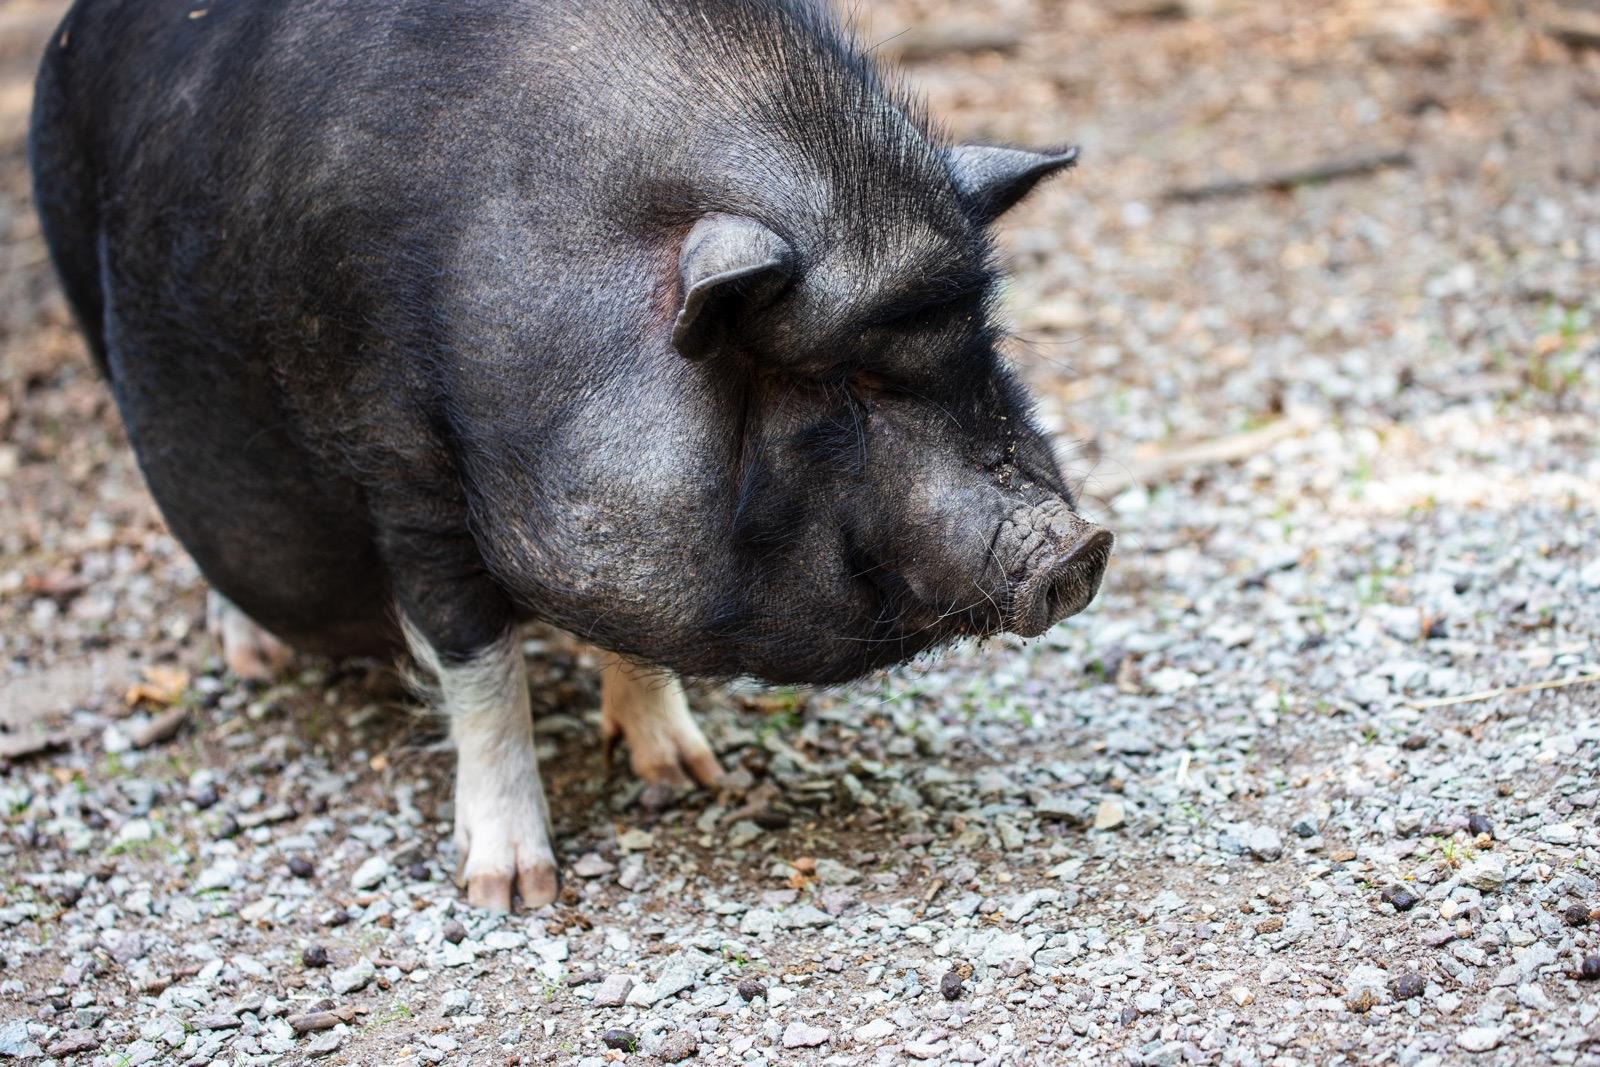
[{"x": 670, "y": 324}]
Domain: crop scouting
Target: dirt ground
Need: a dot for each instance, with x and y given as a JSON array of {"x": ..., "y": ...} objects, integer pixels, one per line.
[{"x": 1314, "y": 782}]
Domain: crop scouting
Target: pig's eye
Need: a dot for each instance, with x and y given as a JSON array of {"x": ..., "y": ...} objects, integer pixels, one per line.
[{"x": 864, "y": 385}]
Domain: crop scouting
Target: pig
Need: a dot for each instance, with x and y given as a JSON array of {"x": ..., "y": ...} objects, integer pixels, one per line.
[{"x": 669, "y": 323}]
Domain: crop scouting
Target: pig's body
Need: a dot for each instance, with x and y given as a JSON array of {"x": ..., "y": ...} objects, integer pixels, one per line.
[
  {"x": 395, "y": 298},
  {"x": 347, "y": 263}
]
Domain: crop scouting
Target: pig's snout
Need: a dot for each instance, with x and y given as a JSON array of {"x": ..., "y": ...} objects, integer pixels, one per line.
[{"x": 1059, "y": 560}]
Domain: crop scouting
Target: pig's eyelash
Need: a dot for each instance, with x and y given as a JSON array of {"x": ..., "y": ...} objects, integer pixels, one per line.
[{"x": 934, "y": 295}]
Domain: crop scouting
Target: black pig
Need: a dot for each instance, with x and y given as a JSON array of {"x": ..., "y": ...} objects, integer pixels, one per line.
[{"x": 668, "y": 322}]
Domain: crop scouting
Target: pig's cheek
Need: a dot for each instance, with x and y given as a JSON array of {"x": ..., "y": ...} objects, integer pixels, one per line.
[{"x": 502, "y": 831}]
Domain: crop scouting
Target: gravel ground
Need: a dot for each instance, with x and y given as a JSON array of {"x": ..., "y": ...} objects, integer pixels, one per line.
[{"x": 1349, "y": 434}]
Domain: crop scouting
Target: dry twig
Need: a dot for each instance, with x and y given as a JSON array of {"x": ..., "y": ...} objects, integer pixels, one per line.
[
  {"x": 1347, "y": 167},
  {"x": 160, "y": 728},
  {"x": 1508, "y": 690},
  {"x": 921, "y": 43},
  {"x": 1235, "y": 448},
  {"x": 16, "y": 746}
]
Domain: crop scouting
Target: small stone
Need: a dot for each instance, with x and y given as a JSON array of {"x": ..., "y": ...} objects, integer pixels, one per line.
[
  {"x": 139, "y": 1053},
  {"x": 15, "y": 1042},
  {"x": 950, "y": 985},
  {"x": 759, "y": 922},
  {"x": 590, "y": 865},
  {"x": 832, "y": 872},
  {"x": 874, "y": 1032},
  {"x": 621, "y": 1040},
  {"x": 325, "y": 1043},
  {"x": 455, "y": 1002},
  {"x": 1439, "y": 936},
  {"x": 1241, "y": 995},
  {"x": 678, "y": 1047},
  {"x": 74, "y": 1044},
  {"x": 1403, "y": 899},
  {"x": 1409, "y": 986},
  {"x": 1576, "y": 915},
  {"x": 454, "y": 932},
  {"x": 301, "y": 867},
  {"x": 505, "y": 940},
  {"x": 204, "y": 797},
  {"x": 680, "y": 971},
  {"x": 1480, "y": 1038},
  {"x": 1172, "y": 680},
  {"x": 1264, "y": 843},
  {"x": 370, "y": 874},
  {"x": 636, "y": 841},
  {"x": 219, "y": 1021},
  {"x": 750, "y": 989},
  {"x": 354, "y": 978},
  {"x": 1480, "y": 824},
  {"x": 804, "y": 1035},
  {"x": 1485, "y": 874},
  {"x": 1561, "y": 833},
  {"x": 314, "y": 956},
  {"x": 1109, "y": 815},
  {"x": 1532, "y": 996},
  {"x": 220, "y": 875},
  {"x": 1589, "y": 969},
  {"x": 613, "y": 991}
]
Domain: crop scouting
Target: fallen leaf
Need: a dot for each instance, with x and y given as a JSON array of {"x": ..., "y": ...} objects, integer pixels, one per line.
[{"x": 162, "y": 686}]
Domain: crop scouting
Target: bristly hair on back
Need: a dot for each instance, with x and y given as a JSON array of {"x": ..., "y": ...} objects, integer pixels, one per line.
[{"x": 797, "y": 75}]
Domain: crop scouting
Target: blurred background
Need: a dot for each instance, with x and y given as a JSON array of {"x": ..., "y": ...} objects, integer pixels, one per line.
[{"x": 1316, "y": 324}]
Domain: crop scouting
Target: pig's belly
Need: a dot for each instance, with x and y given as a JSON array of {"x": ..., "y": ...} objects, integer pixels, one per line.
[{"x": 274, "y": 529}]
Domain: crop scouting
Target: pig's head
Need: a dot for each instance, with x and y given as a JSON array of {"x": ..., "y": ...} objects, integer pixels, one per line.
[
  {"x": 888, "y": 491},
  {"x": 797, "y": 454}
]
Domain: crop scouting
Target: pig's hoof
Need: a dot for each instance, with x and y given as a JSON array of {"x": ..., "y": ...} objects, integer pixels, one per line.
[
  {"x": 503, "y": 852},
  {"x": 250, "y": 652},
  {"x": 647, "y": 709},
  {"x": 502, "y": 821}
]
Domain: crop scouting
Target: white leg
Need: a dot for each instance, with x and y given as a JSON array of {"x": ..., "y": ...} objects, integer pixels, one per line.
[
  {"x": 249, "y": 651},
  {"x": 647, "y": 708},
  {"x": 502, "y": 822}
]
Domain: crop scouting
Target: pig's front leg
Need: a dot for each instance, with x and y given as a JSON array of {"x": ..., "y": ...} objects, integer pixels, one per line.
[
  {"x": 502, "y": 821},
  {"x": 250, "y": 652},
  {"x": 647, "y": 708}
]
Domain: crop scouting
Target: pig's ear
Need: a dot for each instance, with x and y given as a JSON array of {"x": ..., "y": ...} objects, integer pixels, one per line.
[
  {"x": 729, "y": 264},
  {"x": 990, "y": 180}
]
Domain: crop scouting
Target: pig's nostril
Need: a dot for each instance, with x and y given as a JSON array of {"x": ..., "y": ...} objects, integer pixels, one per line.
[{"x": 1063, "y": 588}]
